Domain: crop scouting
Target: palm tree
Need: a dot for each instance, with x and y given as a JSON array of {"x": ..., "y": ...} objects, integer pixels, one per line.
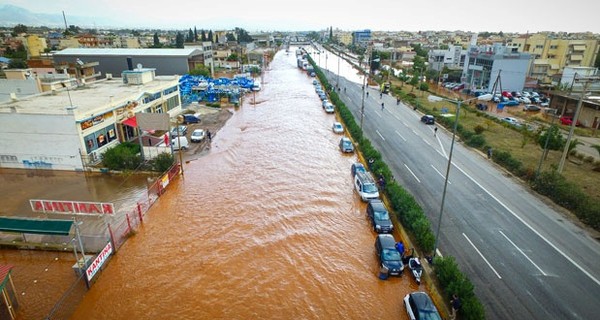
[{"x": 572, "y": 145}]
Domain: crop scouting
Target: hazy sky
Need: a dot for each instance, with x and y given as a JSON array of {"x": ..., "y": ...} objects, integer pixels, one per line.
[{"x": 286, "y": 15}]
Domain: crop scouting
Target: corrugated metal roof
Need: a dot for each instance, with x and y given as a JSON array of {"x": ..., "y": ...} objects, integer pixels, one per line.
[
  {"x": 36, "y": 226},
  {"x": 128, "y": 52},
  {"x": 4, "y": 272}
]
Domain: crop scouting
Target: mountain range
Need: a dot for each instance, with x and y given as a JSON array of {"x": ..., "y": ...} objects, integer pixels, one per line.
[{"x": 11, "y": 15}]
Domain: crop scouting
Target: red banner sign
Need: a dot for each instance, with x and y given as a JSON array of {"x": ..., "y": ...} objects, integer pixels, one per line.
[
  {"x": 74, "y": 207},
  {"x": 99, "y": 261}
]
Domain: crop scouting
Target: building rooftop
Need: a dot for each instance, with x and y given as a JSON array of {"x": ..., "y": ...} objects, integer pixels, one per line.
[
  {"x": 128, "y": 52},
  {"x": 87, "y": 100}
]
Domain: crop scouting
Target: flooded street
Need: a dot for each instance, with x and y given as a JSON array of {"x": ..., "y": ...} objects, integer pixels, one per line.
[{"x": 265, "y": 226}]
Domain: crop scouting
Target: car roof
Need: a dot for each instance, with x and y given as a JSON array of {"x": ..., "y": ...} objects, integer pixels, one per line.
[
  {"x": 387, "y": 240},
  {"x": 377, "y": 205},
  {"x": 198, "y": 130},
  {"x": 422, "y": 300}
]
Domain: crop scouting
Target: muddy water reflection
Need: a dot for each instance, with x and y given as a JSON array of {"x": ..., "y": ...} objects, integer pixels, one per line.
[{"x": 265, "y": 226}]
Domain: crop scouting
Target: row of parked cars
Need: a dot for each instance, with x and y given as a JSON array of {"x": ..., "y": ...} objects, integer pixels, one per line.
[{"x": 418, "y": 304}]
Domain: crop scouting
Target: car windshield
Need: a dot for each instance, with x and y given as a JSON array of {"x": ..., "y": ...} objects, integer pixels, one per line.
[
  {"x": 370, "y": 187},
  {"x": 381, "y": 215},
  {"x": 390, "y": 254}
]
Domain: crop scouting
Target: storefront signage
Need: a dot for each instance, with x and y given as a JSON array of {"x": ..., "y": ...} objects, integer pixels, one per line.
[
  {"x": 95, "y": 120},
  {"x": 98, "y": 262},
  {"x": 74, "y": 207}
]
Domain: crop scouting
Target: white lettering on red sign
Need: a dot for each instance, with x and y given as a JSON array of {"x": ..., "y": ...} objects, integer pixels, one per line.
[
  {"x": 75, "y": 207},
  {"x": 99, "y": 261}
]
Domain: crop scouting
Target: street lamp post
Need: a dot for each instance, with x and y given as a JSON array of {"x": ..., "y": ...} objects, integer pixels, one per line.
[{"x": 485, "y": 97}]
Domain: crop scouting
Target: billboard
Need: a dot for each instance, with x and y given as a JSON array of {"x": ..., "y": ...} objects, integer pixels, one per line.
[{"x": 71, "y": 207}]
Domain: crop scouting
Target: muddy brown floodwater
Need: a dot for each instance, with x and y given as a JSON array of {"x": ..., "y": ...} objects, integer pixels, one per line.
[{"x": 264, "y": 226}]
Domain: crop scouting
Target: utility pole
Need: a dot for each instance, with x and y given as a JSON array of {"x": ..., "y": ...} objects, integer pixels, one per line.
[{"x": 586, "y": 83}]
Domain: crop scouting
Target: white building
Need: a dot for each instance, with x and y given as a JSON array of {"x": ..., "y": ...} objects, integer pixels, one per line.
[
  {"x": 452, "y": 58},
  {"x": 69, "y": 129}
]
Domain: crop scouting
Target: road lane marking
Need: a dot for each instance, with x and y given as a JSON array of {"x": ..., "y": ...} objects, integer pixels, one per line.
[
  {"x": 442, "y": 147},
  {"x": 379, "y": 134},
  {"x": 415, "y": 132},
  {"x": 533, "y": 230},
  {"x": 523, "y": 253},
  {"x": 484, "y": 259},
  {"x": 441, "y": 175},
  {"x": 395, "y": 116},
  {"x": 398, "y": 133},
  {"x": 407, "y": 168}
]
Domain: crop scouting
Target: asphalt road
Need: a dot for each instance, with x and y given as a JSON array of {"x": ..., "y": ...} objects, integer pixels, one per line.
[{"x": 525, "y": 259}]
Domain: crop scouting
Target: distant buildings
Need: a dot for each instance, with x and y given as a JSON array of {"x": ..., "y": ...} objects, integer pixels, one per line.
[{"x": 361, "y": 38}]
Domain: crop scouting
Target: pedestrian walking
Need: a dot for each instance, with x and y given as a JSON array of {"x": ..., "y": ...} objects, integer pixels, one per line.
[
  {"x": 381, "y": 95},
  {"x": 209, "y": 135},
  {"x": 382, "y": 106},
  {"x": 455, "y": 303},
  {"x": 489, "y": 152},
  {"x": 367, "y": 94},
  {"x": 434, "y": 131}
]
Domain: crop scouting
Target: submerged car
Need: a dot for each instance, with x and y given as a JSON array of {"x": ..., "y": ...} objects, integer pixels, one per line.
[
  {"x": 337, "y": 127},
  {"x": 389, "y": 257},
  {"x": 346, "y": 145},
  {"x": 419, "y": 306},
  {"x": 179, "y": 130},
  {"x": 357, "y": 167},
  {"x": 329, "y": 108},
  {"x": 531, "y": 107},
  {"x": 379, "y": 216}
]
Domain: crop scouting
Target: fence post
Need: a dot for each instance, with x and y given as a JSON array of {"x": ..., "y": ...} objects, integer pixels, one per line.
[
  {"x": 139, "y": 207},
  {"x": 128, "y": 222},
  {"x": 112, "y": 237}
]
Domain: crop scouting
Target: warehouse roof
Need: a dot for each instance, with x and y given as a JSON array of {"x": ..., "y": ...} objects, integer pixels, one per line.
[{"x": 118, "y": 52}]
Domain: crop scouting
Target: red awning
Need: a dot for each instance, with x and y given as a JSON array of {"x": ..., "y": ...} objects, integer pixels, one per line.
[{"x": 132, "y": 122}]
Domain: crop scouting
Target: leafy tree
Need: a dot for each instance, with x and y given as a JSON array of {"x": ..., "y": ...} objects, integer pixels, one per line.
[
  {"x": 156, "y": 40},
  {"x": 572, "y": 145},
  {"x": 233, "y": 57},
  {"x": 179, "y": 40},
  {"x": 201, "y": 71},
  {"x": 122, "y": 157},
  {"x": 230, "y": 36},
  {"x": 243, "y": 36},
  {"x": 190, "y": 36},
  {"x": 20, "y": 53},
  {"x": 313, "y": 35},
  {"x": 18, "y": 29},
  {"x": 556, "y": 141},
  {"x": 195, "y": 34},
  {"x": 375, "y": 60},
  {"x": 17, "y": 64},
  {"x": 330, "y": 33},
  {"x": 74, "y": 29},
  {"x": 419, "y": 50},
  {"x": 597, "y": 62},
  {"x": 162, "y": 162},
  {"x": 210, "y": 36},
  {"x": 135, "y": 33},
  {"x": 203, "y": 35}
]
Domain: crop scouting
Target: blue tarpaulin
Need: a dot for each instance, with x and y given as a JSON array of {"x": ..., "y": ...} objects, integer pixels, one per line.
[{"x": 199, "y": 88}]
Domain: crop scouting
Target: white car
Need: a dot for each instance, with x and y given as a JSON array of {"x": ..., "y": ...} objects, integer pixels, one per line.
[
  {"x": 524, "y": 100},
  {"x": 337, "y": 127},
  {"x": 197, "y": 135},
  {"x": 512, "y": 121},
  {"x": 419, "y": 306},
  {"x": 329, "y": 108}
]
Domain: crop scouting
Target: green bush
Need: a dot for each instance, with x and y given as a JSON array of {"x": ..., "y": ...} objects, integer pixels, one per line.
[
  {"x": 162, "y": 162},
  {"x": 479, "y": 129},
  {"x": 476, "y": 141},
  {"x": 506, "y": 160},
  {"x": 124, "y": 156}
]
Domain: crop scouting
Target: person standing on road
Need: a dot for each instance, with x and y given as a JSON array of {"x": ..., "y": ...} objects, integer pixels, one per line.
[
  {"x": 367, "y": 94},
  {"x": 489, "y": 152},
  {"x": 209, "y": 135},
  {"x": 434, "y": 131},
  {"x": 382, "y": 106}
]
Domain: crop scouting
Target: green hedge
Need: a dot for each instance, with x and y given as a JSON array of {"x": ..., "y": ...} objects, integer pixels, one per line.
[{"x": 407, "y": 209}]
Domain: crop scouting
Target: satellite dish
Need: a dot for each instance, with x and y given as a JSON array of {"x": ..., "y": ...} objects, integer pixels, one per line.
[{"x": 139, "y": 66}]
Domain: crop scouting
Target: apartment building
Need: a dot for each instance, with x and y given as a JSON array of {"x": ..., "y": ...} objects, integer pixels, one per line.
[
  {"x": 486, "y": 64},
  {"x": 35, "y": 46},
  {"x": 552, "y": 54}
]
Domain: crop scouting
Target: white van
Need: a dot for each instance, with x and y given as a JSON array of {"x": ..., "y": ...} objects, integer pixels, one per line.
[
  {"x": 177, "y": 143},
  {"x": 365, "y": 186}
]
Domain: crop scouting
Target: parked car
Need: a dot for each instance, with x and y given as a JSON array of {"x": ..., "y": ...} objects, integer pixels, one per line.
[
  {"x": 511, "y": 103},
  {"x": 531, "y": 107},
  {"x": 197, "y": 135},
  {"x": 324, "y": 103},
  {"x": 346, "y": 145},
  {"x": 180, "y": 143},
  {"x": 379, "y": 216},
  {"x": 458, "y": 87},
  {"x": 329, "y": 108},
  {"x": 506, "y": 94},
  {"x": 419, "y": 306},
  {"x": 190, "y": 118},
  {"x": 512, "y": 121},
  {"x": 357, "y": 167},
  {"x": 179, "y": 130},
  {"x": 389, "y": 257},
  {"x": 428, "y": 119},
  {"x": 337, "y": 127},
  {"x": 365, "y": 186},
  {"x": 568, "y": 120},
  {"x": 524, "y": 100}
]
